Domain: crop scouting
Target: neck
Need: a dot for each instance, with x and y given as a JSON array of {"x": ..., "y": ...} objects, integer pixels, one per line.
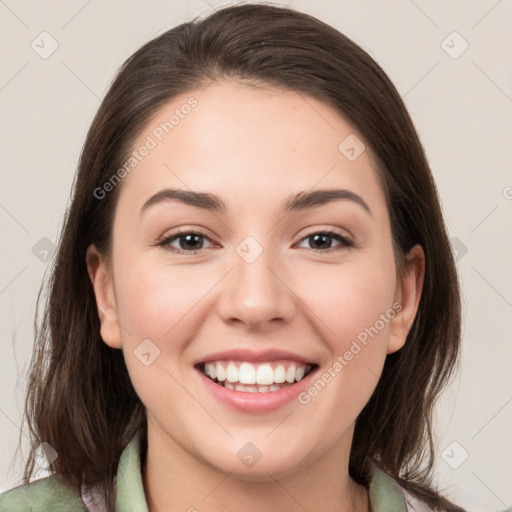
[{"x": 174, "y": 480}]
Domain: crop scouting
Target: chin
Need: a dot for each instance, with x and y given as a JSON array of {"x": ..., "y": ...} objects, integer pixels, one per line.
[{"x": 263, "y": 470}]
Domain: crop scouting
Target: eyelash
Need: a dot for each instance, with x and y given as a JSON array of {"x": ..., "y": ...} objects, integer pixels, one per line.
[{"x": 345, "y": 242}]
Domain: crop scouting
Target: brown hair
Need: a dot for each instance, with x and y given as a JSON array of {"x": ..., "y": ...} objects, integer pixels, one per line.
[{"x": 80, "y": 399}]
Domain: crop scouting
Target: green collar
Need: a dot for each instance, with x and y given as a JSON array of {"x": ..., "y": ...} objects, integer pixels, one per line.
[
  {"x": 129, "y": 488},
  {"x": 385, "y": 493}
]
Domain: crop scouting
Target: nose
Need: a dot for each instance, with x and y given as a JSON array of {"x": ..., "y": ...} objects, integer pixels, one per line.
[{"x": 257, "y": 294}]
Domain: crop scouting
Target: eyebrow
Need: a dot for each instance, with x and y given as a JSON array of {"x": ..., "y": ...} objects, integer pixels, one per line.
[{"x": 296, "y": 202}]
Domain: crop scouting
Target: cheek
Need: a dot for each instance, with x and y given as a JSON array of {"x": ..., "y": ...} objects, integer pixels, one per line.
[
  {"x": 161, "y": 309},
  {"x": 158, "y": 308},
  {"x": 350, "y": 298},
  {"x": 153, "y": 300},
  {"x": 355, "y": 320}
]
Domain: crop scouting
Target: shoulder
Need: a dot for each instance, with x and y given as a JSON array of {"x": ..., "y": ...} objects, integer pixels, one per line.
[
  {"x": 48, "y": 494},
  {"x": 387, "y": 494}
]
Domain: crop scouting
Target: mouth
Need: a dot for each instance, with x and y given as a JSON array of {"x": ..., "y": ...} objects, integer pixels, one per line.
[{"x": 255, "y": 377}]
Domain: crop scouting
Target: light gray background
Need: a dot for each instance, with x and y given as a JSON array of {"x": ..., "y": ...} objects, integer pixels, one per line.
[{"x": 462, "y": 108}]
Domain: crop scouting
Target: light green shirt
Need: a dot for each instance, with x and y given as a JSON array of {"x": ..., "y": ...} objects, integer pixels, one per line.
[{"x": 51, "y": 495}]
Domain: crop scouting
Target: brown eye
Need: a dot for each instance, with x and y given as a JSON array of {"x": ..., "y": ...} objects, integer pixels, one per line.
[
  {"x": 188, "y": 242},
  {"x": 191, "y": 241},
  {"x": 322, "y": 240}
]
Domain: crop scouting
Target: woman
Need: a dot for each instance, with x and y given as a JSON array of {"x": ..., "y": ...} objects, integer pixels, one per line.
[{"x": 291, "y": 360}]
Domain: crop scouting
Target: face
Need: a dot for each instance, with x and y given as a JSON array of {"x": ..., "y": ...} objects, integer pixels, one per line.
[{"x": 289, "y": 305}]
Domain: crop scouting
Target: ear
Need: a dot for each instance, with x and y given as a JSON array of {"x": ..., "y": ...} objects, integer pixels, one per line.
[
  {"x": 100, "y": 274},
  {"x": 408, "y": 294}
]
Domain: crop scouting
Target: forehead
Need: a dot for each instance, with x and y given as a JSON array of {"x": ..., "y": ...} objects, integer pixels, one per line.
[{"x": 248, "y": 143}]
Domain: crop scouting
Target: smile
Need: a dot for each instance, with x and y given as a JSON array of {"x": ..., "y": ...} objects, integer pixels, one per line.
[{"x": 261, "y": 377}]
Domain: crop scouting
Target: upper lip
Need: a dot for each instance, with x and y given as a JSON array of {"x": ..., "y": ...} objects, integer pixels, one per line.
[{"x": 253, "y": 355}]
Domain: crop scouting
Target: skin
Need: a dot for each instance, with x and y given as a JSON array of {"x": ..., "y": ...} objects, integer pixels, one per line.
[{"x": 248, "y": 146}]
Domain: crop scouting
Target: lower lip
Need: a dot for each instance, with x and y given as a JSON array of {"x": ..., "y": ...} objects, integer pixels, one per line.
[{"x": 256, "y": 402}]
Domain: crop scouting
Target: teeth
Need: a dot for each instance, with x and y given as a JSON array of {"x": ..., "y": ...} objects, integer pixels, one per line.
[
  {"x": 209, "y": 369},
  {"x": 252, "y": 378},
  {"x": 232, "y": 373},
  {"x": 279, "y": 374},
  {"x": 265, "y": 374},
  {"x": 221, "y": 372},
  {"x": 247, "y": 374},
  {"x": 290, "y": 373},
  {"x": 253, "y": 389}
]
